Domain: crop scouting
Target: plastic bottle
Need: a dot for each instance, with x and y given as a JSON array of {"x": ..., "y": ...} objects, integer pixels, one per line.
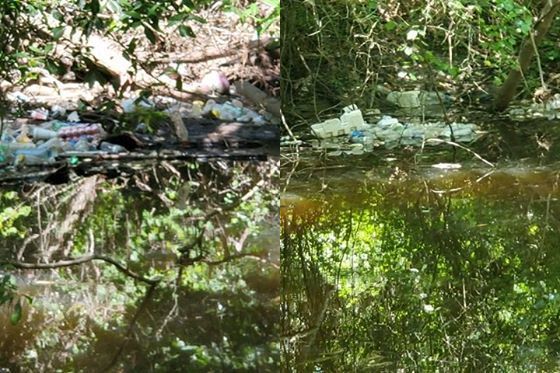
[
  {"x": 32, "y": 157},
  {"x": 39, "y": 133},
  {"x": 357, "y": 136},
  {"x": 112, "y": 148},
  {"x": 81, "y": 145},
  {"x": 23, "y": 136},
  {"x": 227, "y": 111},
  {"x": 80, "y": 130},
  {"x": 10, "y": 143}
]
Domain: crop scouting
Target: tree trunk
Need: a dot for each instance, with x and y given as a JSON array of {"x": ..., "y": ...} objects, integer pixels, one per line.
[{"x": 507, "y": 91}]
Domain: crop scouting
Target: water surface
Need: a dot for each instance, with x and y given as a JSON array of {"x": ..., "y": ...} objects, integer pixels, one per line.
[{"x": 392, "y": 264}]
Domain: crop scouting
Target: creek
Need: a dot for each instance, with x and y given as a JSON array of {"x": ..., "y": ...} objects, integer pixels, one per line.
[{"x": 392, "y": 264}]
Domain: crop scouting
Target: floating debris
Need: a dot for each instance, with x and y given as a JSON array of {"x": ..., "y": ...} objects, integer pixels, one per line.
[
  {"x": 549, "y": 109},
  {"x": 447, "y": 166},
  {"x": 232, "y": 111},
  {"x": 388, "y": 132},
  {"x": 351, "y": 120}
]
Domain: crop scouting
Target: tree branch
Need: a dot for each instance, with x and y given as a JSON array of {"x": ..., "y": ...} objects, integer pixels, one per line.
[
  {"x": 231, "y": 258},
  {"x": 81, "y": 260}
]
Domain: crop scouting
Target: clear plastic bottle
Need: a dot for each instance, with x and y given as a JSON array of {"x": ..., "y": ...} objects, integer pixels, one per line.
[
  {"x": 112, "y": 148},
  {"x": 37, "y": 156}
]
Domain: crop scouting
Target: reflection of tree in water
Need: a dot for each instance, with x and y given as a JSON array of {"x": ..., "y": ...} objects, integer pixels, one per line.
[
  {"x": 195, "y": 236},
  {"x": 310, "y": 307},
  {"x": 454, "y": 282}
]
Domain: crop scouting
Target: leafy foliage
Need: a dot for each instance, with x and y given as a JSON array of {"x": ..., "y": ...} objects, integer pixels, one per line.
[
  {"x": 33, "y": 29},
  {"x": 201, "y": 229},
  {"x": 338, "y": 53}
]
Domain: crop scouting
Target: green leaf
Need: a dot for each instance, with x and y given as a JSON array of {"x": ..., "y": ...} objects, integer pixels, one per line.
[
  {"x": 154, "y": 11},
  {"x": 390, "y": 26},
  {"x": 94, "y": 6},
  {"x": 93, "y": 76},
  {"x": 11, "y": 280},
  {"x": 176, "y": 19},
  {"x": 150, "y": 35},
  {"x": 186, "y": 31},
  {"x": 197, "y": 18},
  {"x": 53, "y": 67},
  {"x": 132, "y": 46},
  {"x": 49, "y": 47},
  {"x": 134, "y": 15},
  {"x": 15, "y": 317},
  {"x": 35, "y": 49},
  {"x": 188, "y": 3},
  {"x": 57, "y": 15},
  {"x": 57, "y": 32},
  {"x": 179, "y": 83}
]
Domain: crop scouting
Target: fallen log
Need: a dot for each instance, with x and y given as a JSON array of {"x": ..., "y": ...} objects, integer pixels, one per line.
[{"x": 258, "y": 97}]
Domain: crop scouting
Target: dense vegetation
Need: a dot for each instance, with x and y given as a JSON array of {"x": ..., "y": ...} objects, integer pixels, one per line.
[
  {"x": 165, "y": 267},
  {"x": 392, "y": 259},
  {"x": 199, "y": 290},
  {"x": 337, "y": 53}
]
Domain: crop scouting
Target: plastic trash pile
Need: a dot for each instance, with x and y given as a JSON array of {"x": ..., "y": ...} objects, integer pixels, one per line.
[
  {"x": 389, "y": 132},
  {"x": 229, "y": 111},
  {"x": 550, "y": 109},
  {"x": 41, "y": 141},
  {"x": 417, "y": 98},
  {"x": 233, "y": 111},
  {"x": 351, "y": 120}
]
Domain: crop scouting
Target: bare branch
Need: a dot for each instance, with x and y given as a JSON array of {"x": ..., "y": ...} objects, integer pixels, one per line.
[{"x": 81, "y": 260}]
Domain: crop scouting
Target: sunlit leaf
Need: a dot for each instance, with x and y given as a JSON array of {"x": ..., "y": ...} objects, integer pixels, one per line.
[
  {"x": 390, "y": 26},
  {"x": 57, "y": 32},
  {"x": 15, "y": 317},
  {"x": 186, "y": 31}
]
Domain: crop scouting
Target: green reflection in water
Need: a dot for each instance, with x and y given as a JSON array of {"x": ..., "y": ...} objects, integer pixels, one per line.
[
  {"x": 208, "y": 231},
  {"x": 438, "y": 271}
]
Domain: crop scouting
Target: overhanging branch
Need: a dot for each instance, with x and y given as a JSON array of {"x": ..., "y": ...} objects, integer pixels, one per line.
[{"x": 81, "y": 260}]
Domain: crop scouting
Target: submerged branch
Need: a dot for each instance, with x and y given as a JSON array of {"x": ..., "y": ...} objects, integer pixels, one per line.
[{"x": 464, "y": 148}]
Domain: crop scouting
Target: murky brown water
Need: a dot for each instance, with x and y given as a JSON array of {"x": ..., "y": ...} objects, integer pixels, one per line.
[
  {"x": 216, "y": 307},
  {"x": 390, "y": 264}
]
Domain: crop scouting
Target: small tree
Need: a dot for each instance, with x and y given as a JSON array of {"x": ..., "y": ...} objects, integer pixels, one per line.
[{"x": 528, "y": 49}]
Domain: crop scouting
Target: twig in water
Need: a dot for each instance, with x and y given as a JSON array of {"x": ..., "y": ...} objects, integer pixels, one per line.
[{"x": 464, "y": 148}]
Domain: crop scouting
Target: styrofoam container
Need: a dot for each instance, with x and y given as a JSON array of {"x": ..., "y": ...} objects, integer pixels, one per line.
[
  {"x": 328, "y": 128},
  {"x": 348, "y": 122},
  {"x": 353, "y": 119}
]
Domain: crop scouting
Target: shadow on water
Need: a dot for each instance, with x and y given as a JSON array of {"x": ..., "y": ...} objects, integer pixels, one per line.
[
  {"x": 205, "y": 234},
  {"x": 393, "y": 265}
]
